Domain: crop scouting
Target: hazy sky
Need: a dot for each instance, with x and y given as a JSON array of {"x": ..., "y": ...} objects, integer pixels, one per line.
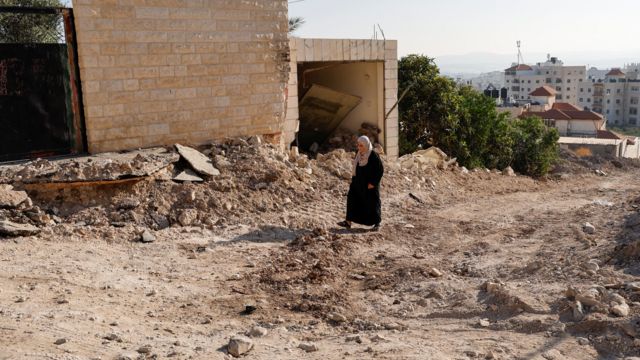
[{"x": 449, "y": 27}]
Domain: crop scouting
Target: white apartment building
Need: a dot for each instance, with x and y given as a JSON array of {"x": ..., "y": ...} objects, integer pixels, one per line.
[
  {"x": 616, "y": 96},
  {"x": 522, "y": 79}
]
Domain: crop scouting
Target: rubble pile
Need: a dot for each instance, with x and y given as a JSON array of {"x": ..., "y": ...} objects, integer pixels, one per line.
[
  {"x": 223, "y": 183},
  {"x": 346, "y": 139},
  {"x": 18, "y": 215},
  {"x": 425, "y": 159},
  {"x": 596, "y": 300}
]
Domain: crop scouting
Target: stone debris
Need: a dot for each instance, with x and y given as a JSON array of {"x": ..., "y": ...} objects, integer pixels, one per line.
[
  {"x": 633, "y": 286},
  {"x": 508, "y": 171},
  {"x": 258, "y": 331},
  {"x": 432, "y": 157},
  {"x": 112, "y": 337},
  {"x": 147, "y": 237},
  {"x": 146, "y": 349},
  {"x": 592, "y": 265},
  {"x": 11, "y": 199},
  {"x": 435, "y": 272},
  {"x": 100, "y": 167},
  {"x": 239, "y": 345},
  {"x": 188, "y": 217},
  {"x": 577, "y": 311},
  {"x": 583, "y": 341},
  {"x": 308, "y": 347},
  {"x": 588, "y": 228},
  {"x": 9, "y": 228},
  {"x": 60, "y": 341},
  {"x": 188, "y": 175},
  {"x": 514, "y": 299},
  {"x": 339, "y": 318},
  {"x": 200, "y": 163},
  {"x": 597, "y": 299},
  {"x": 346, "y": 139}
]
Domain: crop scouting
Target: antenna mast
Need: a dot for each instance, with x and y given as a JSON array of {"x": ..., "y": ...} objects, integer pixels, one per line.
[{"x": 520, "y": 58}]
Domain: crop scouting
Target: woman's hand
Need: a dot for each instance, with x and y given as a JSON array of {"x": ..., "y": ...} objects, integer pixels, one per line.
[{"x": 370, "y": 187}]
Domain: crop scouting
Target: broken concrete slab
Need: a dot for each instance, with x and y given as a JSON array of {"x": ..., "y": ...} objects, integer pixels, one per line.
[
  {"x": 188, "y": 175},
  {"x": 200, "y": 162},
  {"x": 100, "y": 167},
  {"x": 10, "y": 198},
  {"x": 321, "y": 111},
  {"x": 9, "y": 228}
]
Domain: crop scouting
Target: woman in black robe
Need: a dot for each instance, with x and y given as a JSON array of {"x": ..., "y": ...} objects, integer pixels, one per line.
[{"x": 363, "y": 201}]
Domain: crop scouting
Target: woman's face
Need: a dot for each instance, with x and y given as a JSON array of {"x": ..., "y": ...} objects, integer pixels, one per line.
[{"x": 361, "y": 147}]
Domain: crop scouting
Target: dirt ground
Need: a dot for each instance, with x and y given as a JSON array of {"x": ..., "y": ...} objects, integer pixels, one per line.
[{"x": 474, "y": 265}]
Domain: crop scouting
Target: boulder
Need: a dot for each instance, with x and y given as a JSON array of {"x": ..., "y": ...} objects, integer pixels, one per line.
[
  {"x": 239, "y": 345},
  {"x": 10, "y": 198}
]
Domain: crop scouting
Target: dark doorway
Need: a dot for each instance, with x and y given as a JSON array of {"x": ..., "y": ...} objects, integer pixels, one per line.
[{"x": 40, "y": 100}]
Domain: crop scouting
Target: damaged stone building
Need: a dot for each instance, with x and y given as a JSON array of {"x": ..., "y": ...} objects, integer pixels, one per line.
[
  {"x": 181, "y": 71},
  {"x": 156, "y": 73}
]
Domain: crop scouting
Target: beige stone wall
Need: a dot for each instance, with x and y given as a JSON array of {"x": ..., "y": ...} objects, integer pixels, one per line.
[
  {"x": 156, "y": 72},
  {"x": 348, "y": 50}
]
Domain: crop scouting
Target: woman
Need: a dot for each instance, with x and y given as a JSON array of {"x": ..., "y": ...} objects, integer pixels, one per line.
[{"x": 363, "y": 201}]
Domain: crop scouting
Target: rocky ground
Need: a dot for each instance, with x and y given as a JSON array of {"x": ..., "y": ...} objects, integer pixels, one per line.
[{"x": 467, "y": 265}]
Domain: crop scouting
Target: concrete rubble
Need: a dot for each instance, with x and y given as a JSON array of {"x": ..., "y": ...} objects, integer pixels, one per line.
[
  {"x": 9, "y": 228},
  {"x": 100, "y": 167},
  {"x": 200, "y": 163}
]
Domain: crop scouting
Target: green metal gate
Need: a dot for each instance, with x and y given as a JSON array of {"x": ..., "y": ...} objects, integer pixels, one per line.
[{"x": 40, "y": 100}]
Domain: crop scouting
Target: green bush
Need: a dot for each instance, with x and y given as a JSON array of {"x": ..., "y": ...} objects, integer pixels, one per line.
[
  {"x": 536, "y": 146},
  {"x": 466, "y": 124}
]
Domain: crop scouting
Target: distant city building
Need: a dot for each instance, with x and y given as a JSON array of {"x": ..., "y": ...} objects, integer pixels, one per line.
[
  {"x": 616, "y": 95},
  {"x": 522, "y": 79},
  {"x": 569, "y": 119}
]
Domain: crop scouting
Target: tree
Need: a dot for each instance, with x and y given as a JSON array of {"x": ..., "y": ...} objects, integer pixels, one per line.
[
  {"x": 480, "y": 136},
  {"x": 30, "y": 28},
  {"x": 426, "y": 111},
  {"x": 536, "y": 146},
  {"x": 295, "y": 23},
  {"x": 465, "y": 123}
]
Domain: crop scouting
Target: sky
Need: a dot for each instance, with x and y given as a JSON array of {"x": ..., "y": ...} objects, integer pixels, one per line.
[
  {"x": 480, "y": 35},
  {"x": 574, "y": 30}
]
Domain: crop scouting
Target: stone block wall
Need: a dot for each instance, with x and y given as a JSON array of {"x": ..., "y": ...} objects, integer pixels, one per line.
[{"x": 156, "y": 72}]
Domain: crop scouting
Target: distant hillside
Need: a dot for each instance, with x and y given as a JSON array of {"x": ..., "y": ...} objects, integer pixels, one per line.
[{"x": 477, "y": 63}]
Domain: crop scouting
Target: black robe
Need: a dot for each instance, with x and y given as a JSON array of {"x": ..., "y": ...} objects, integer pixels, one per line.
[{"x": 363, "y": 204}]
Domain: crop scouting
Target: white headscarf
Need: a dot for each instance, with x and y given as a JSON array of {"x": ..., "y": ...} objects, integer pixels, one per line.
[{"x": 362, "y": 158}]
